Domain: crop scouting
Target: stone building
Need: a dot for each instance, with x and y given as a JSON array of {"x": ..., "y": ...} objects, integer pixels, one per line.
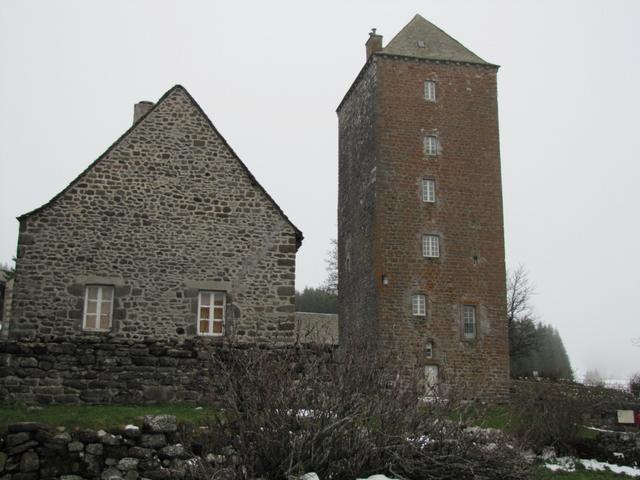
[
  {"x": 166, "y": 236},
  {"x": 420, "y": 228}
]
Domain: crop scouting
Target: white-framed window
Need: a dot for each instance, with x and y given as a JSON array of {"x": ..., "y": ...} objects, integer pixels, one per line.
[
  {"x": 431, "y": 246},
  {"x": 430, "y": 90},
  {"x": 430, "y": 145},
  {"x": 211, "y": 307},
  {"x": 419, "y": 305},
  {"x": 98, "y": 308},
  {"x": 428, "y": 190},
  {"x": 428, "y": 350},
  {"x": 469, "y": 322}
]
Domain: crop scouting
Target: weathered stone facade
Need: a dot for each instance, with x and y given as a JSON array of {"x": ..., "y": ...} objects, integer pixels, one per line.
[
  {"x": 383, "y": 217},
  {"x": 168, "y": 211}
]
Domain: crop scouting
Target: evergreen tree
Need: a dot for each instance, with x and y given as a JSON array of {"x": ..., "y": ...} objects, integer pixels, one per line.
[
  {"x": 549, "y": 359},
  {"x": 317, "y": 300}
]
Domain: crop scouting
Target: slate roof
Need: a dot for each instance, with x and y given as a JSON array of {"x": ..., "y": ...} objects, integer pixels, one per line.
[
  {"x": 298, "y": 232},
  {"x": 422, "y": 39}
]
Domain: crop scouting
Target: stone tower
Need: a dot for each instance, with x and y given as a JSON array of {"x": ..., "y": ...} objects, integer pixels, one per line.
[{"x": 420, "y": 229}]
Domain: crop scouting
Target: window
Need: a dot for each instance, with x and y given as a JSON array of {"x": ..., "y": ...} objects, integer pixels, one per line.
[
  {"x": 428, "y": 190},
  {"x": 428, "y": 350},
  {"x": 430, "y": 145},
  {"x": 431, "y": 246},
  {"x": 211, "y": 307},
  {"x": 98, "y": 308},
  {"x": 469, "y": 322},
  {"x": 430, "y": 91},
  {"x": 418, "y": 306}
]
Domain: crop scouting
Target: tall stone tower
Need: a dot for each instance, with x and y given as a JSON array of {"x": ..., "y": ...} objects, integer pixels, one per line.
[{"x": 420, "y": 229}]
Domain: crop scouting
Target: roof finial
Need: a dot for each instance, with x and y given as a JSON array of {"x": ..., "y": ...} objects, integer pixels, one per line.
[{"x": 373, "y": 31}]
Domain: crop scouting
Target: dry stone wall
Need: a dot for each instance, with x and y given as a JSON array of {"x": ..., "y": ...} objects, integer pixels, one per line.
[
  {"x": 93, "y": 370},
  {"x": 97, "y": 371},
  {"x": 169, "y": 210},
  {"x": 32, "y": 451}
]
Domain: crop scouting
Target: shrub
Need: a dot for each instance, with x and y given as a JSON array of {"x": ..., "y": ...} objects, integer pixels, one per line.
[
  {"x": 289, "y": 411},
  {"x": 548, "y": 416},
  {"x": 634, "y": 384}
]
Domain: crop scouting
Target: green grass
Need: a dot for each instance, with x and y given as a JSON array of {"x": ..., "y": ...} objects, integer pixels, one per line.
[{"x": 99, "y": 416}]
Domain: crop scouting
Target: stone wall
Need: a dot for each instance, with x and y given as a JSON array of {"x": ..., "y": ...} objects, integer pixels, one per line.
[
  {"x": 31, "y": 451},
  {"x": 358, "y": 301},
  {"x": 168, "y": 210},
  {"x": 93, "y": 370}
]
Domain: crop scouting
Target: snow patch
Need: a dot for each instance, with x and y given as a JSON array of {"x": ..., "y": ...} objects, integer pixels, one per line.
[
  {"x": 568, "y": 464},
  {"x": 377, "y": 476},
  {"x": 310, "y": 476}
]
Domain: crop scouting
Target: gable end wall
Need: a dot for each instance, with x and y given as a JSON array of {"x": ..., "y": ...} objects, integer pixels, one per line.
[{"x": 168, "y": 211}]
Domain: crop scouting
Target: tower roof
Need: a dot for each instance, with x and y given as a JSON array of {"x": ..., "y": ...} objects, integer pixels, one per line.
[{"x": 422, "y": 39}]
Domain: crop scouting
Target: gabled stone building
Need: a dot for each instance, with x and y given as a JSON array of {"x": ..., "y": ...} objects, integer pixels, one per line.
[
  {"x": 420, "y": 229},
  {"x": 166, "y": 236}
]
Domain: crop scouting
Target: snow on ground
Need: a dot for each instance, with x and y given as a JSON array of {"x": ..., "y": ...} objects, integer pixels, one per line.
[
  {"x": 377, "y": 477},
  {"x": 568, "y": 464}
]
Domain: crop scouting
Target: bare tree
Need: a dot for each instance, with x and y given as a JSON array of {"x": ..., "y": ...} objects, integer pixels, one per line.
[
  {"x": 520, "y": 317},
  {"x": 331, "y": 283},
  {"x": 7, "y": 270},
  {"x": 593, "y": 378}
]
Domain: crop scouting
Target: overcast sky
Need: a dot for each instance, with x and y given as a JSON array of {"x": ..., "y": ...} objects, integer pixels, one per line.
[{"x": 270, "y": 75}]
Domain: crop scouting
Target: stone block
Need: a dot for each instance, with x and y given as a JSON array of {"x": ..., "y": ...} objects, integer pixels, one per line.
[
  {"x": 140, "y": 453},
  {"x": 95, "y": 448},
  {"x": 111, "y": 474},
  {"x": 27, "y": 427},
  {"x": 17, "y": 438},
  {"x": 75, "y": 447},
  {"x": 160, "y": 423},
  {"x": 29, "y": 462},
  {"x": 172, "y": 451},
  {"x": 128, "y": 463},
  {"x": 153, "y": 440}
]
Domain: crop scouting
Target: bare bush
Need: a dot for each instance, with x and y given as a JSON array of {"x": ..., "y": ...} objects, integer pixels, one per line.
[
  {"x": 289, "y": 411},
  {"x": 548, "y": 416},
  {"x": 634, "y": 384}
]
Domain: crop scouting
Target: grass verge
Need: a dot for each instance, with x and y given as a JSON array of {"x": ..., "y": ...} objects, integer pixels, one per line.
[{"x": 99, "y": 416}]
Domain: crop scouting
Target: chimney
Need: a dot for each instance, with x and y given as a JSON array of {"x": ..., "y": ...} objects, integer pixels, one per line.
[
  {"x": 374, "y": 44},
  {"x": 140, "y": 109}
]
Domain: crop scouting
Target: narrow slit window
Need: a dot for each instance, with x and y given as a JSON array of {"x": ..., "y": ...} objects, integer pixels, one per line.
[
  {"x": 431, "y": 246},
  {"x": 469, "y": 321}
]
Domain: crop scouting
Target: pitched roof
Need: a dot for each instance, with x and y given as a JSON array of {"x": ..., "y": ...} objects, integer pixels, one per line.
[
  {"x": 422, "y": 39},
  {"x": 298, "y": 233}
]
